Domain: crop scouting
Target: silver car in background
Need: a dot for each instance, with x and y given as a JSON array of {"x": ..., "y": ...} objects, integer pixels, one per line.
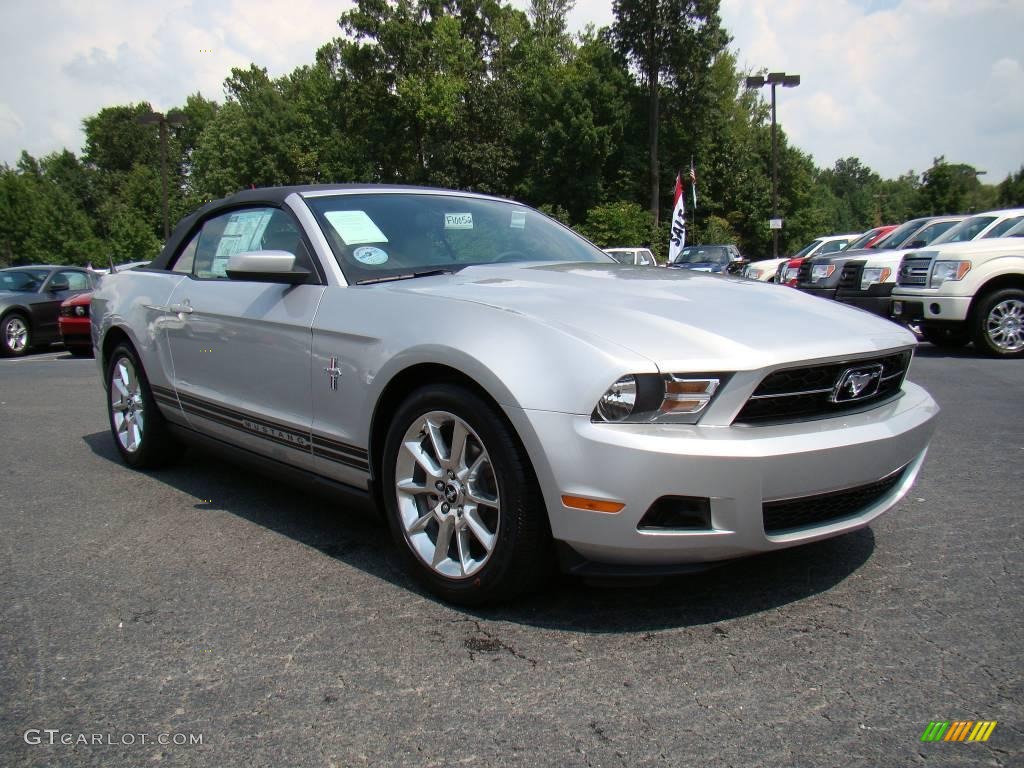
[{"x": 510, "y": 395}]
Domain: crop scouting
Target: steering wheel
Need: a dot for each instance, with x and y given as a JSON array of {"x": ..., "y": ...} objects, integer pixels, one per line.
[{"x": 510, "y": 256}]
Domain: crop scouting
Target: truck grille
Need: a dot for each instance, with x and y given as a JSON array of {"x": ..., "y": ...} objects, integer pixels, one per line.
[
  {"x": 804, "y": 275},
  {"x": 914, "y": 270},
  {"x": 849, "y": 281},
  {"x": 798, "y": 394},
  {"x": 790, "y": 514}
]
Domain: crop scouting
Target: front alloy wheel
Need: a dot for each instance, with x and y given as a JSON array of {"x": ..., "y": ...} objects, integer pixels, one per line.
[
  {"x": 447, "y": 495},
  {"x": 15, "y": 336},
  {"x": 461, "y": 498},
  {"x": 999, "y": 327}
]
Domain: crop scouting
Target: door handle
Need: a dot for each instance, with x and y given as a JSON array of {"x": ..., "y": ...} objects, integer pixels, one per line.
[{"x": 181, "y": 309}]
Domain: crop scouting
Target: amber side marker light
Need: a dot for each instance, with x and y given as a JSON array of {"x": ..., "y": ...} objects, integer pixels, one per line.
[{"x": 593, "y": 505}]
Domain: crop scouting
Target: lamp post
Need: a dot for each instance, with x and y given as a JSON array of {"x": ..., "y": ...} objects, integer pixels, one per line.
[
  {"x": 172, "y": 118},
  {"x": 786, "y": 81}
]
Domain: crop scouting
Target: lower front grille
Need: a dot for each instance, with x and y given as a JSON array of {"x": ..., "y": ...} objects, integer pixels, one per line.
[{"x": 788, "y": 515}]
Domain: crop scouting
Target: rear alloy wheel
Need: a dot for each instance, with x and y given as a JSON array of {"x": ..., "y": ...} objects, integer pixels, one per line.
[
  {"x": 999, "y": 323},
  {"x": 461, "y": 500},
  {"x": 15, "y": 336},
  {"x": 138, "y": 428}
]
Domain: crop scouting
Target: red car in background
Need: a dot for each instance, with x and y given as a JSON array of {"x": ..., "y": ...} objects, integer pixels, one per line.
[
  {"x": 74, "y": 324},
  {"x": 788, "y": 270}
]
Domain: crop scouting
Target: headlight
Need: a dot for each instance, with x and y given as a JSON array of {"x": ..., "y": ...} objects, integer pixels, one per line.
[
  {"x": 81, "y": 310},
  {"x": 754, "y": 274},
  {"x": 949, "y": 270},
  {"x": 873, "y": 275},
  {"x": 822, "y": 271},
  {"x": 618, "y": 402},
  {"x": 791, "y": 274},
  {"x": 677, "y": 398}
]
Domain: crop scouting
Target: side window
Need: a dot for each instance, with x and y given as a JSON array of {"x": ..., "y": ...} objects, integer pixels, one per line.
[
  {"x": 252, "y": 229},
  {"x": 187, "y": 257},
  {"x": 77, "y": 281}
]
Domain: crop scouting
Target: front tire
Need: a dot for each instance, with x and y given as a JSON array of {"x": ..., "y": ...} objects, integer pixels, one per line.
[
  {"x": 999, "y": 323},
  {"x": 461, "y": 498},
  {"x": 136, "y": 424},
  {"x": 15, "y": 335}
]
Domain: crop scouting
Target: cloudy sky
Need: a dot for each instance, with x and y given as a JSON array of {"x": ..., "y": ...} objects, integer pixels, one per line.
[{"x": 893, "y": 82}]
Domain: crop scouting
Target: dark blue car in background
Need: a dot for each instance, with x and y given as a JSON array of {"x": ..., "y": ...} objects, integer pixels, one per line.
[{"x": 707, "y": 258}]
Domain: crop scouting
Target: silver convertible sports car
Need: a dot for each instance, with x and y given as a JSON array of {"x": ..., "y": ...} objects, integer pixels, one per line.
[{"x": 510, "y": 395}]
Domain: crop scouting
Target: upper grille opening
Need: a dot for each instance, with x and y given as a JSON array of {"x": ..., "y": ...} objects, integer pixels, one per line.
[
  {"x": 806, "y": 392},
  {"x": 914, "y": 270}
]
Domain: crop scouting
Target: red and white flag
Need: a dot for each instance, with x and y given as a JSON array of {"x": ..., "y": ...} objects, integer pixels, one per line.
[
  {"x": 677, "y": 236},
  {"x": 693, "y": 184}
]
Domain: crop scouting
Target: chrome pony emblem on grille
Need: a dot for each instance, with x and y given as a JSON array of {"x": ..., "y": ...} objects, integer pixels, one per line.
[{"x": 857, "y": 383}]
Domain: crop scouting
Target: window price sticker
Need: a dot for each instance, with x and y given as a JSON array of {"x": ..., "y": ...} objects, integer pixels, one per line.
[{"x": 458, "y": 221}]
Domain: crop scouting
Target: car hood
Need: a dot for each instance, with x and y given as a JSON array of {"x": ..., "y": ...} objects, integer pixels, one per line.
[{"x": 681, "y": 320}]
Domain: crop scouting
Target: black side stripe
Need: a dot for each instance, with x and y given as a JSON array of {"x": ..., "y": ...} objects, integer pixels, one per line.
[{"x": 321, "y": 445}]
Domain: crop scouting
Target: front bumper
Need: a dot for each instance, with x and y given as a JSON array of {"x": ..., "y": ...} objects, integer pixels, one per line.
[
  {"x": 738, "y": 469},
  {"x": 877, "y": 299},
  {"x": 75, "y": 331},
  {"x": 921, "y": 306}
]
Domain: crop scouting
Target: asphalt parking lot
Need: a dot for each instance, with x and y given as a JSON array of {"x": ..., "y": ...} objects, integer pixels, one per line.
[{"x": 278, "y": 626}]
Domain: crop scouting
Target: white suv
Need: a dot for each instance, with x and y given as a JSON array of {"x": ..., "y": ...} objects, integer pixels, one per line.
[{"x": 963, "y": 292}]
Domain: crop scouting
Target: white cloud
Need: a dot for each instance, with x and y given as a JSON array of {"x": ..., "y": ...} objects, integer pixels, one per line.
[
  {"x": 915, "y": 79},
  {"x": 893, "y": 82}
]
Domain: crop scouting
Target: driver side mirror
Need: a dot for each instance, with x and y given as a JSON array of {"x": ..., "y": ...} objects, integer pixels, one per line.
[
  {"x": 266, "y": 267},
  {"x": 59, "y": 284}
]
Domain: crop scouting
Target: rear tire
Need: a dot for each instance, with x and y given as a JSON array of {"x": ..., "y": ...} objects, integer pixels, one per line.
[
  {"x": 136, "y": 424},
  {"x": 15, "y": 335},
  {"x": 999, "y": 323},
  {"x": 461, "y": 499}
]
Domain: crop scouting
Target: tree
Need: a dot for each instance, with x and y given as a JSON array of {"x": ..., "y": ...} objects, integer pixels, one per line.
[
  {"x": 670, "y": 42},
  {"x": 1011, "y": 190},
  {"x": 948, "y": 188}
]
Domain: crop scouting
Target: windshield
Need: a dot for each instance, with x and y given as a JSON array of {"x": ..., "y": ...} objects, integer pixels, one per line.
[
  {"x": 1004, "y": 226},
  {"x": 863, "y": 240},
  {"x": 703, "y": 255},
  {"x": 902, "y": 232},
  {"x": 385, "y": 235},
  {"x": 932, "y": 232},
  {"x": 623, "y": 257},
  {"x": 832, "y": 246},
  {"x": 806, "y": 249},
  {"x": 22, "y": 280},
  {"x": 1017, "y": 231},
  {"x": 968, "y": 229}
]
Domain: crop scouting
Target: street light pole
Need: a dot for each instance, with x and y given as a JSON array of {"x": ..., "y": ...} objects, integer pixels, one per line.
[
  {"x": 786, "y": 81},
  {"x": 172, "y": 118}
]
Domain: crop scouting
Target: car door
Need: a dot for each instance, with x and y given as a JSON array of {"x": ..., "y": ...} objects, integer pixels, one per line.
[
  {"x": 240, "y": 350},
  {"x": 46, "y": 311}
]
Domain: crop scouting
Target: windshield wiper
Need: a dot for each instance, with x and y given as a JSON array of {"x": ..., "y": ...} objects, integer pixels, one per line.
[{"x": 405, "y": 276}]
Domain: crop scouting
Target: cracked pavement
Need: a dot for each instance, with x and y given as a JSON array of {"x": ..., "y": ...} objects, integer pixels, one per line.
[{"x": 209, "y": 599}]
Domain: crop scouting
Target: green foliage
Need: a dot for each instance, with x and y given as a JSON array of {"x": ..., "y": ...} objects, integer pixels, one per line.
[
  {"x": 475, "y": 94},
  {"x": 1011, "y": 190},
  {"x": 611, "y": 225}
]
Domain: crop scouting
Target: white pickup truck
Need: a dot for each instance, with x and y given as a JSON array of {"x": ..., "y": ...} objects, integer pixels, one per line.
[{"x": 963, "y": 292}]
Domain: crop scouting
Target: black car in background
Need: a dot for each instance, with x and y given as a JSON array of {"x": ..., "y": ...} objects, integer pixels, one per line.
[
  {"x": 30, "y": 299},
  {"x": 820, "y": 275}
]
